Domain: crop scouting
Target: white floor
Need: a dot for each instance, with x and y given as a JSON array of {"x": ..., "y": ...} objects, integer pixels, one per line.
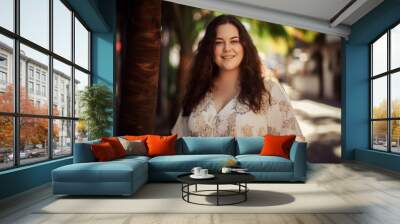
[{"x": 377, "y": 189}]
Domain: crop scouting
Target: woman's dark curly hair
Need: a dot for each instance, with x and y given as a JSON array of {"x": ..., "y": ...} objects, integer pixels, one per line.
[{"x": 204, "y": 71}]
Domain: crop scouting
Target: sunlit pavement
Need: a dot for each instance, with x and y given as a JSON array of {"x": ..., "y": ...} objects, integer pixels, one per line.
[{"x": 320, "y": 124}]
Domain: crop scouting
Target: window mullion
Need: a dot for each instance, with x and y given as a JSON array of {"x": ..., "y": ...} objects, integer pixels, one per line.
[
  {"x": 371, "y": 89},
  {"x": 73, "y": 82},
  {"x": 16, "y": 69},
  {"x": 50, "y": 81},
  {"x": 389, "y": 113}
]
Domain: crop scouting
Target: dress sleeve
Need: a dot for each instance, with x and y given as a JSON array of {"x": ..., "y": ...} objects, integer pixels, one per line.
[
  {"x": 281, "y": 116},
  {"x": 181, "y": 127}
]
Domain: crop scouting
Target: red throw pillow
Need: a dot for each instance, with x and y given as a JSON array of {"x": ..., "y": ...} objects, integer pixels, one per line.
[
  {"x": 116, "y": 145},
  {"x": 277, "y": 145},
  {"x": 161, "y": 145},
  {"x": 103, "y": 151}
]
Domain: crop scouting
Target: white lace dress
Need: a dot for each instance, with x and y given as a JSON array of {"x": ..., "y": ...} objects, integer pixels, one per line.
[{"x": 236, "y": 119}]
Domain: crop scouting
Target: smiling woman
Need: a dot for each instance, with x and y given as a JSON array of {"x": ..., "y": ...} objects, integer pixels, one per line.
[{"x": 229, "y": 93}]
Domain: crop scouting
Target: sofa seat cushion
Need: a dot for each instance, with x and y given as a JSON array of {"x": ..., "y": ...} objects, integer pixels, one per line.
[
  {"x": 133, "y": 158},
  {"x": 185, "y": 163},
  {"x": 257, "y": 163},
  {"x": 111, "y": 171}
]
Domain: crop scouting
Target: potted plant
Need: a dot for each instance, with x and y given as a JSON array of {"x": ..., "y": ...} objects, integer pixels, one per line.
[{"x": 96, "y": 104}]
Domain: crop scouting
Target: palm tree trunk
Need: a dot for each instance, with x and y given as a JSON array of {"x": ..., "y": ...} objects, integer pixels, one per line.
[{"x": 139, "y": 68}]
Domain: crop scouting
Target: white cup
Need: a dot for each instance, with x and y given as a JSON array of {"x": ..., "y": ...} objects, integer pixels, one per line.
[
  {"x": 226, "y": 170},
  {"x": 203, "y": 172},
  {"x": 196, "y": 171}
]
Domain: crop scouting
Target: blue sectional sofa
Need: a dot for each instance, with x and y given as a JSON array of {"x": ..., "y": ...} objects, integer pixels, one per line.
[{"x": 125, "y": 176}]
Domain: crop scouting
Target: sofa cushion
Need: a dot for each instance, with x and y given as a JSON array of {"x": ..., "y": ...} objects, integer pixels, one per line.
[
  {"x": 133, "y": 158},
  {"x": 206, "y": 145},
  {"x": 249, "y": 145},
  {"x": 133, "y": 147},
  {"x": 277, "y": 145},
  {"x": 111, "y": 171},
  {"x": 116, "y": 145},
  {"x": 103, "y": 151},
  {"x": 257, "y": 163},
  {"x": 161, "y": 145},
  {"x": 185, "y": 163}
]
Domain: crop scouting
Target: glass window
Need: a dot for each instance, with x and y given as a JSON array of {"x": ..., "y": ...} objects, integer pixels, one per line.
[
  {"x": 81, "y": 131},
  {"x": 34, "y": 79},
  {"x": 62, "y": 29},
  {"x": 61, "y": 75},
  {"x": 33, "y": 139},
  {"x": 30, "y": 72},
  {"x": 3, "y": 60},
  {"x": 30, "y": 87},
  {"x": 62, "y": 137},
  {"x": 395, "y": 95},
  {"x": 6, "y": 73},
  {"x": 38, "y": 60},
  {"x": 379, "y": 98},
  {"x": 379, "y": 133},
  {"x": 379, "y": 56},
  {"x": 395, "y": 136},
  {"x": 395, "y": 47},
  {"x": 81, "y": 45},
  {"x": 385, "y": 125},
  {"x": 37, "y": 89},
  {"x": 7, "y": 14},
  {"x": 6, "y": 142},
  {"x": 3, "y": 78},
  {"x": 81, "y": 81},
  {"x": 43, "y": 90},
  {"x": 35, "y": 21},
  {"x": 37, "y": 75}
]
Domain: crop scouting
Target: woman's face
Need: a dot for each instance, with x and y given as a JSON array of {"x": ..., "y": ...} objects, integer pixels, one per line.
[{"x": 228, "y": 51}]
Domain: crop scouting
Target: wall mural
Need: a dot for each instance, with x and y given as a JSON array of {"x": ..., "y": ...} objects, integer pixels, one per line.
[{"x": 223, "y": 75}]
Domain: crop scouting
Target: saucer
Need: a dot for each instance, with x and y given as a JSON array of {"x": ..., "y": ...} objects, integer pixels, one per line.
[{"x": 208, "y": 176}]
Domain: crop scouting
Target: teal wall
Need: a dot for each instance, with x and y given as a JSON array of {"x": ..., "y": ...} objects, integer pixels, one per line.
[
  {"x": 24, "y": 178},
  {"x": 103, "y": 51},
  {"x": 100, "y": 16},
  {"x": 355, "y": 125}
]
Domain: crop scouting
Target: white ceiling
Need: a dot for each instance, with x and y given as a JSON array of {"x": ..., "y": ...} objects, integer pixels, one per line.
[
  {"x": 320, "y": 9},
  {"x": 317, "y": 15}
]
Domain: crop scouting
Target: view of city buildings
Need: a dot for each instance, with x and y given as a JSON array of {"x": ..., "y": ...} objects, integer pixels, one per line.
[{"x": 34, "y": 99}]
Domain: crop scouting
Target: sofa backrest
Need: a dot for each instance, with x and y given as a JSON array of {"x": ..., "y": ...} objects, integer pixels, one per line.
[
  {"x": 191, "y": 146},
  {"x": 249, "y": 145},
  {"x": 83, "y": 152},
  {"x": 206, "y": 145}
]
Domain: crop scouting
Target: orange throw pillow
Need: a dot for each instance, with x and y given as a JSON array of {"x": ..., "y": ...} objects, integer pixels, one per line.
[
  {"x": 103, "y": 151},
  {"x": 116, "y": 145},
  {"x": 161, "y": 145},
  {"x": 277, "y": 145}
]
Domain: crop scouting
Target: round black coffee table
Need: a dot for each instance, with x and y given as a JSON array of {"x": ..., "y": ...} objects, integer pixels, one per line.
[{"x": 238, "y": 179}]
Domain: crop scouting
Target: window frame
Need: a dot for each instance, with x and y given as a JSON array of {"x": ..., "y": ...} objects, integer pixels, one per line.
[
  {"x": 16, "y": 115},
  {"x": 388, "y": 74}
]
